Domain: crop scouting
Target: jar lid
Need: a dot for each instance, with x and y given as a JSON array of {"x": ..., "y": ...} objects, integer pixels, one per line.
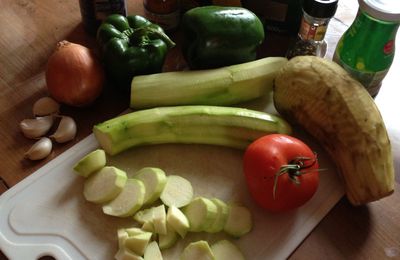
[
  {"x": 320, "y": 8},
  {"x": 387, "y": 10}
]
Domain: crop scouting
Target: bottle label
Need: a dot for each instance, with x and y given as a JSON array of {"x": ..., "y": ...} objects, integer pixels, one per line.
[
  {"x": 310, "y": 31},
  {"x": 372, "y": 81},
  {"x": 166, "y": 21}
]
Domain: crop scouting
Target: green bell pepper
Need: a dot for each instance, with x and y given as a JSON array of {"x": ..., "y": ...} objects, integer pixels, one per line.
[
  {"x": 131, "y": 46},
  {"x": 216, "y": 36}
]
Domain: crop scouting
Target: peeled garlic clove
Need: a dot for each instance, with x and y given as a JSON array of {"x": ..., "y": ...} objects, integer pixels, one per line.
[
  {"x": 35, "y": 128},
  {"x": 45, "y": 106},
  {"x": 40, "y": 150},
  {"x": 66, "y": 130}
]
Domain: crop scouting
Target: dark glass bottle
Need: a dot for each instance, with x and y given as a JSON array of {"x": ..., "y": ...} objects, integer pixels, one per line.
[
  {"x": 281, "y": 16},
  {"x": 94, "y": 12}
]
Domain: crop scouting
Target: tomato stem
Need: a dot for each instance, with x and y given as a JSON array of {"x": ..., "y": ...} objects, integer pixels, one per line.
[{"x": 294, "y": 169}]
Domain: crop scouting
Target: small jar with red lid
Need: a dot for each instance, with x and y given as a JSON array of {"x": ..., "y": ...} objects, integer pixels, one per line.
[{"x": 165, "y": 13}]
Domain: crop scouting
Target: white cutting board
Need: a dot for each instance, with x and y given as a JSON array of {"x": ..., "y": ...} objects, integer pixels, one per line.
[{"x": 46, "y": 214}]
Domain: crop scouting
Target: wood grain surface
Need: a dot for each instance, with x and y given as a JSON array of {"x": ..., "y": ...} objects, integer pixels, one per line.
[{"x": 29, "y": 31}]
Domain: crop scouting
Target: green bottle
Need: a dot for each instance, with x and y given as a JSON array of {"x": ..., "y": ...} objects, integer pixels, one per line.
[{"x": 366, "y": 50}]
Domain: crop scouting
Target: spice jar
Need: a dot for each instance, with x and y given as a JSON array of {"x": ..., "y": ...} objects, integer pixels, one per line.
[
  {"x": 314, "y": 23},
  {"x": 165, "y": 13}
]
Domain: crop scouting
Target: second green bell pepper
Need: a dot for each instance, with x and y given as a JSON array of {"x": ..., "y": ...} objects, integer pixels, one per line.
[
  {"x": 216, "y": 36},
  {"x": 131, "y": 46}
]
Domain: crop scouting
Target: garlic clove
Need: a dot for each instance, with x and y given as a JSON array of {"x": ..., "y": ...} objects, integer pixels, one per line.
[
  {"x": 40, "y": 150},
  {"x": 45, "y": 106},
  {"x": 35, "y": 128},
  {"x": 66, "y": 130}
]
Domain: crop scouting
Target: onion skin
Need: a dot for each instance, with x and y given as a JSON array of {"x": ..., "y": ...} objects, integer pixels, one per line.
[{"x": 74, "y": 76}]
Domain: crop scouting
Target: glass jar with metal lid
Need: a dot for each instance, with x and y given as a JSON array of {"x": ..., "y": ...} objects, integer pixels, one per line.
[{"x": 314, "y": 23}]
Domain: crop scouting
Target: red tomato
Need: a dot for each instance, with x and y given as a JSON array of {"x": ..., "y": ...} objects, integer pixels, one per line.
[{"x": 281, "y": 172}]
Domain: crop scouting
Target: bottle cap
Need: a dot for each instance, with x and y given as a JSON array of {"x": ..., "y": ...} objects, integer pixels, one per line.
[
  {"x": 320, "y": 8},
  {"x": 387, "y": 10}
]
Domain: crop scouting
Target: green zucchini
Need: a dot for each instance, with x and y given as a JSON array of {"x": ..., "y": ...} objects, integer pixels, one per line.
[
  {"x": 228, "y": 126},
  {"x": 222, "y": 86}
]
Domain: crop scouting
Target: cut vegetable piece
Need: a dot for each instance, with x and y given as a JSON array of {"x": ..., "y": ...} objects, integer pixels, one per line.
[
  {"x": 199, "y": 250},
  {"x": 126, "y": 254},
  {"x": 222, "y": 86},
  {"x": 128, "y": 201},
  {"x": 160, "y": 220},
  {"x": 177, "y": 192},
  {"x": 228, "y": 126},
  {"x": 239, "y": 221},
  {"x": 226, "y": 250},
  {"x": 144, "y": 215},
  {"x": 152, "y": 252},
  {"x": 138, "y": 243},
  {"x": 154, "y": 180},
  {"x": 91, "y": 163},
  {"x": 178, "y": 221},
  {"x": 169, "y": 239},
  {"x": 201, "y": 213},
  {"x": 222, "y": 216},
  {"x": 104, "y": 185},
  {"x": 122, "y": 236},
  {"x": 148, "y": 226},
  {"x": 134, "y": 231}
]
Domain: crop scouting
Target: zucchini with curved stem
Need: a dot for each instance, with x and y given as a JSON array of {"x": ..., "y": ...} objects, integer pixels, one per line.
[
  {"x": 227, "y": 126},
  {"x": 327, "y": 102}
]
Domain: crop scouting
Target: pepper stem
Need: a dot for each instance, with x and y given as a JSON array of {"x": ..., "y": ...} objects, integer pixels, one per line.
[{"x": 137, "y": 34}]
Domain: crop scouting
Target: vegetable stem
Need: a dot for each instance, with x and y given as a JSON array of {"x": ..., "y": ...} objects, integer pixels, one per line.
[
  {"x": 294, "y": 169},
  {"x": 138, "y": 34}
]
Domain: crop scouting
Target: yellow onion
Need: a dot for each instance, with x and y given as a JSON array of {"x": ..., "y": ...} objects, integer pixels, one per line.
[{"x": 74, "y": 76}]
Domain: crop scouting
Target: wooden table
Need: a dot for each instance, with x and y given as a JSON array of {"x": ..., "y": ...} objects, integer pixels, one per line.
[{"x": 29, "y": 31}]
